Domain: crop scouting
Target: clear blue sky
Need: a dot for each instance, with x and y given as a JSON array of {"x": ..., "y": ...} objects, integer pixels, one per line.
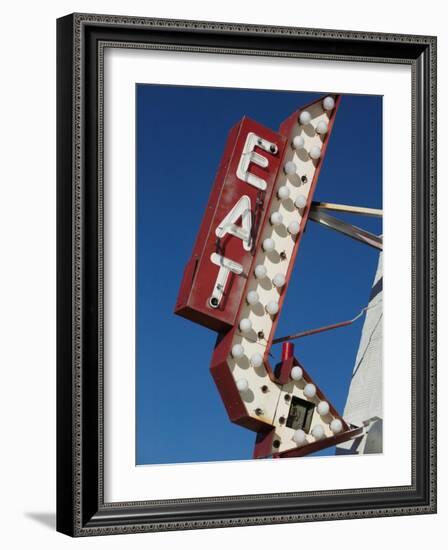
[{"x": 181, "y": 132}]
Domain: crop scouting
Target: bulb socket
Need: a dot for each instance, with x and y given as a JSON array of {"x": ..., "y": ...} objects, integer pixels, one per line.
[{"x": 214, "y": 302}]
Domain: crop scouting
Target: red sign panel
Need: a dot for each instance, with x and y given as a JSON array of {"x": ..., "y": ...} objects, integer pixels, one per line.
[{"x": 215, "y": 276}]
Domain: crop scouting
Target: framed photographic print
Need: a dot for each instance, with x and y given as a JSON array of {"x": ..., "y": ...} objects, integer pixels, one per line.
[{"x": 246, "y": 274}]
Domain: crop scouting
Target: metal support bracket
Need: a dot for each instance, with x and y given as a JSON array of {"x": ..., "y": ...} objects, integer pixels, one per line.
[
  {"x": 347, "y": 209},
  {"x": 345, "y": 228}
]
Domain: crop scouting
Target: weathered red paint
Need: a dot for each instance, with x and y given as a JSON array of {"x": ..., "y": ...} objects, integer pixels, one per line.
[
  {"x": 283, "y": 370},
  {"x": 225, "y": 383},
  {"x": 263, "y": 444},
  {"x": 287, "y": 350},
  {"x": 200, "y": 273}
]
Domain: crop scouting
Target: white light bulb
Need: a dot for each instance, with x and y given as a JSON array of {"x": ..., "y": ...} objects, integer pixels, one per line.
[
  {"x": 304, "y": 117},
  {"x": 268, "y": 245},
  {"x": 276, "y": 218},
  {"x": 290, "y": 168},
  {"x": 237, "y": 351},
  {"x": 256, "y": 360},
  {"x": 279, "y": 280},
  {"x": 328, "y": 103},
  {"x": 314, "y": 152},
  {"x": 309, "y": 390},
  {"x": 296, "y": 373},
  {"x": 298, "y": 142},
  {"x": 245, "y": 325},
  {"x": 321, "y": 127},
  {"x": 272, "y": 307},
  {"x": 299, "y": 437},
  {"x": 300, "y": 201},
  {"x": 323, "y": 408},
  {"x": 294, "y": 228},
  {"x": 260, "y": 271},
  {"x": 336, "y": 426},
  {"x": 318, "y": 431},
  {"x": 283, "y": 192},
  {"x": 252, "y": 297},
  {"x": 242, "y": 384}
]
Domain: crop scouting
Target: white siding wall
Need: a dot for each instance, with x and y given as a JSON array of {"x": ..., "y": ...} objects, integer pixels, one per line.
[{"x": 365, "y": 397}]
